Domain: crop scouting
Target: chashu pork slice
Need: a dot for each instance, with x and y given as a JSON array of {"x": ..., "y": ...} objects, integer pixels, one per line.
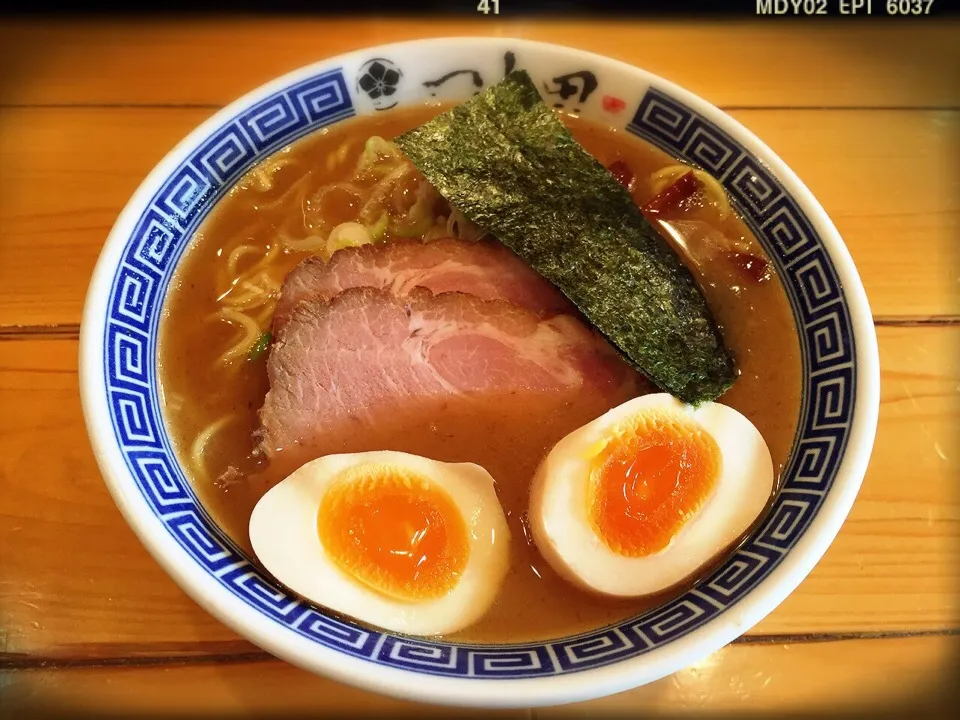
[
  {"x": 367, "y": 353},
  {"x": 486, "y": 269}
]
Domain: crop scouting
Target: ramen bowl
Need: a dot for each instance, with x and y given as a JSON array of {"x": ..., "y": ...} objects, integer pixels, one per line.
[{"x": 124, "y": 406}]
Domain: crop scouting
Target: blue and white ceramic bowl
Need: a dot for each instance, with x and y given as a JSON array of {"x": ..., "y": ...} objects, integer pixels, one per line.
[{"x": 125, "y": 420}]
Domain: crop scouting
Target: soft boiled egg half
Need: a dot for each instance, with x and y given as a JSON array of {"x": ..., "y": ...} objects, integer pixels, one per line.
[
  {"x": 400, "y": 541},
  {"x": 639, "y": 499}
]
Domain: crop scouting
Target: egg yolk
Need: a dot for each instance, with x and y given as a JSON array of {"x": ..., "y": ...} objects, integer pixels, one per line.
[
  {"x": 649, "y": 479},
  {"x": 395, "y": 531}
]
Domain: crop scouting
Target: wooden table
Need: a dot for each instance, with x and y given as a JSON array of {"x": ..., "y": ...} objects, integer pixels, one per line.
[{"x": 868, "y": 116}]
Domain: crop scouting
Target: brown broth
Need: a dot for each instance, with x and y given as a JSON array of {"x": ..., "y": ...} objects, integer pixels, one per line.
[{"x": 508, "y": 436}]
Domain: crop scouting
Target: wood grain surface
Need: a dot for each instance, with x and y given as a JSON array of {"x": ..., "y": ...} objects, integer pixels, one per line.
[
  {"x": 867, "y": 115},
  {"x": 760, "y": 677}
]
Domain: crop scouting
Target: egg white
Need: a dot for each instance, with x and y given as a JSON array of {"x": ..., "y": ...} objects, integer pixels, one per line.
[
  {"x": 285, "y": 538},
  {"x": 560, "y": 495}
]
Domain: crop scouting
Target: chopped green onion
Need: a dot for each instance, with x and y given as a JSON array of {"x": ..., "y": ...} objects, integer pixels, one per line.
[
  {"x": 348, "y": 234},
  {"x": 375, "y": 151},
  {"x": 411, "y": 228},
  {"x": 260, "y": 347},
  {"x": 379, "y": 228}
]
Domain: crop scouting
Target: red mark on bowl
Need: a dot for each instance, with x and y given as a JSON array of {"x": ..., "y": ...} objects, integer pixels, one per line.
[{"x": 613, "y": 104}]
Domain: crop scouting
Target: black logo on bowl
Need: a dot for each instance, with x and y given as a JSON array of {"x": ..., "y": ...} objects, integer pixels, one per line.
[
  {"x": 576, "y": 85},
  {"x": 475, "y": 78},
  {"x": 378, "y": 80}
]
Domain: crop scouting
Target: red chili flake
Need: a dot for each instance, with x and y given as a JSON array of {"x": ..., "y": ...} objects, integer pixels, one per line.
[
  {"x": 673, "y": 195},
  {"x": 613, "y": 104},
  {"x": 622, "y": 172},
  {"x": 754, "y": 267}
]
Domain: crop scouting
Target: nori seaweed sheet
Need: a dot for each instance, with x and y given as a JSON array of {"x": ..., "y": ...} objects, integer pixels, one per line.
[{"x": 509, "y": 164}]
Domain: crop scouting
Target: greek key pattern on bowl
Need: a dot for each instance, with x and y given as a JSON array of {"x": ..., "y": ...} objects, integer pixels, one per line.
[{"x": 154, "y": 248}]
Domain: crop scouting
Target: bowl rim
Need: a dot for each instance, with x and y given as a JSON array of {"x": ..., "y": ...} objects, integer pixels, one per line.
[{"x": 674, "y": 655}]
